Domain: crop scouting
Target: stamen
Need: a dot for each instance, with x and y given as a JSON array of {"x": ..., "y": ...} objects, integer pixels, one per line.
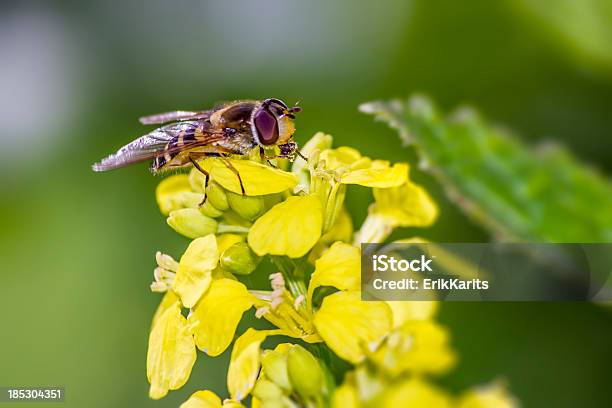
[
  {"x": 262, "y": 311},
  {"x": 298, "y": 301},
  {"x": 165, "y": 273},
  {"x": 166, "y": 261}
]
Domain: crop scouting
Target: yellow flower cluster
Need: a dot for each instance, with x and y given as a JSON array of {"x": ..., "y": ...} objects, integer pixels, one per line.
[{"x": 297, "y": 220}]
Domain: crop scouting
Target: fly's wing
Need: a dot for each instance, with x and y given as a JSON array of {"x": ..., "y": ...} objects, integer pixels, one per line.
[
  {"x": 173, "y": 117},
  {"x": 156, "y": 143}
]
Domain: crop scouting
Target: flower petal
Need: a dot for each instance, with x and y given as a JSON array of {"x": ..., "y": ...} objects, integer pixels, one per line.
[
  {"x": 345, "y": 396},
  {"x": 340, "y": 158},
  {"x": 338, "y": 267},
  {"x": 417, "y": 347},
  {"x": 406, "y": 206},
  {"x": 174, "y": 192},
  {"x": 377, "y": 176},
  {"x": 341, "y": 230},
  {"x": 202, "y": 399},
  {"x": 245, "y": 363},
  {"x": 214, "y": 319},
  {"x": 405, "y": 311},
  {"x": 169, "y": 299},
  {"x": 195, "y": 269},
  {"x": 171, "y": 353},
  {"x": 225, "y": 241},
  {"x": 257, "y": 179},
  {"x": 414, "y": 393},
  {"x": 350, "y": 326},
  {"x": 289, "y": 228},
  {"x": 490, "y": 396}
]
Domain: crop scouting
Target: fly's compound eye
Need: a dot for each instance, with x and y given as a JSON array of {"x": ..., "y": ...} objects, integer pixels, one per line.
[{"x": 267, "y": 127}]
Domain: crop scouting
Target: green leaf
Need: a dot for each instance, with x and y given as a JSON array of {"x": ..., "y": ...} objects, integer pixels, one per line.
[
  {"x": 517, "y": 191},
  {"x": 581, "y": 29}
]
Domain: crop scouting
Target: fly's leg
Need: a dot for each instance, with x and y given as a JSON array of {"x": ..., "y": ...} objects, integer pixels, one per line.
[
  {"x": 235, "y": 171},
  {"x": 297, "y": 151},
  {"x": 206, "y": 175},
  {"x": 263, "y": 156}
]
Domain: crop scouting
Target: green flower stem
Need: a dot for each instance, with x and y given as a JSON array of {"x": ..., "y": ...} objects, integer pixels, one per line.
[
  {"x": 232, "y": 229},
  {"x": 286, "y": 266}
]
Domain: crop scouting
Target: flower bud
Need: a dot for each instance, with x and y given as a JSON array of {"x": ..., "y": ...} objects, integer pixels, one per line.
[
  {"x": 248, "y": 207},
  {"x": 210, "y": 210},
  {"x": 239, "y": 259},
  {"x": 267, "y": 390},
  {"x": 216, "y": 196},
  {"x": 304, "y": 372},
  {"x": 274, "y": 364},
  {"x": 197, "y": 180},
  {"x": 191, "y": 223}
]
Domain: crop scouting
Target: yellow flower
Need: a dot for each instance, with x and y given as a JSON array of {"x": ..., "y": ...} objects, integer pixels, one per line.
[
  {"x": 174, "y": 192},
  {"x": 491, "y": 396},
  {"x": 404, "y": 311},
  {"x": 338, "y": 267},
  {"x": 332, "y": 169},
  {"x": 280, "y": 308},
  {"x": 352, "y": 168},
  {"x": 414, "y": 393},
  {"x": 290, "y": 228},
  {"x": 408, "y": 205},
  {"x": 215, "y": 317},
  {"x": 195, "y": 269},
  {"x": 245, "y": 363},
  {"x": 208, "y": 399},
  {"x": 351, "y": 327},
  {"x": 171, "y": 353},
  {"x": 257, "y": 179},
  {"x": 345, "y": 396},
  {"x": 202, "y": 399},
  {"x": 311, "y": 150}
]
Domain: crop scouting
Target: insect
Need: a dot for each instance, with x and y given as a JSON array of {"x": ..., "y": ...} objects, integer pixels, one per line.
[{"x": 234, "y": 128}]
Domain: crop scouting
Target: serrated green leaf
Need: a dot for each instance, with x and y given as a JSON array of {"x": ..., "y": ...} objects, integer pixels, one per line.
[{"x": 517, "y": 191}]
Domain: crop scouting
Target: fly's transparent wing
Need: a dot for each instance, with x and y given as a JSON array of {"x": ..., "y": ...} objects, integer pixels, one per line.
[
  {"x": 173, "y": 116},
  {"x": 156, "y": 143}
]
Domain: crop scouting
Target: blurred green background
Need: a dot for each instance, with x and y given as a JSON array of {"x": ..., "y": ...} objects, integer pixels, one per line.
[{"x": 77, "y": 248}]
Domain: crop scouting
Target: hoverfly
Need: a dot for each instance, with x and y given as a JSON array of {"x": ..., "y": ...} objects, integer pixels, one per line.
[{"x": 234, "y": 128}]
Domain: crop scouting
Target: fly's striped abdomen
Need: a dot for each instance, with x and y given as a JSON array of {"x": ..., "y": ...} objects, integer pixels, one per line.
[{"x": 175, "y": 145}]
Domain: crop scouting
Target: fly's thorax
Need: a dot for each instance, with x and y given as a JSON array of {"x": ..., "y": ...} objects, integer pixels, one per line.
[{"x": 235, "y": 115}]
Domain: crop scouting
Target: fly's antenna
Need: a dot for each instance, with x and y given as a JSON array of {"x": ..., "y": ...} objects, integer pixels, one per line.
[
  {"x": 296, "y": 108},
  {"x": 290, "y": 113}
]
